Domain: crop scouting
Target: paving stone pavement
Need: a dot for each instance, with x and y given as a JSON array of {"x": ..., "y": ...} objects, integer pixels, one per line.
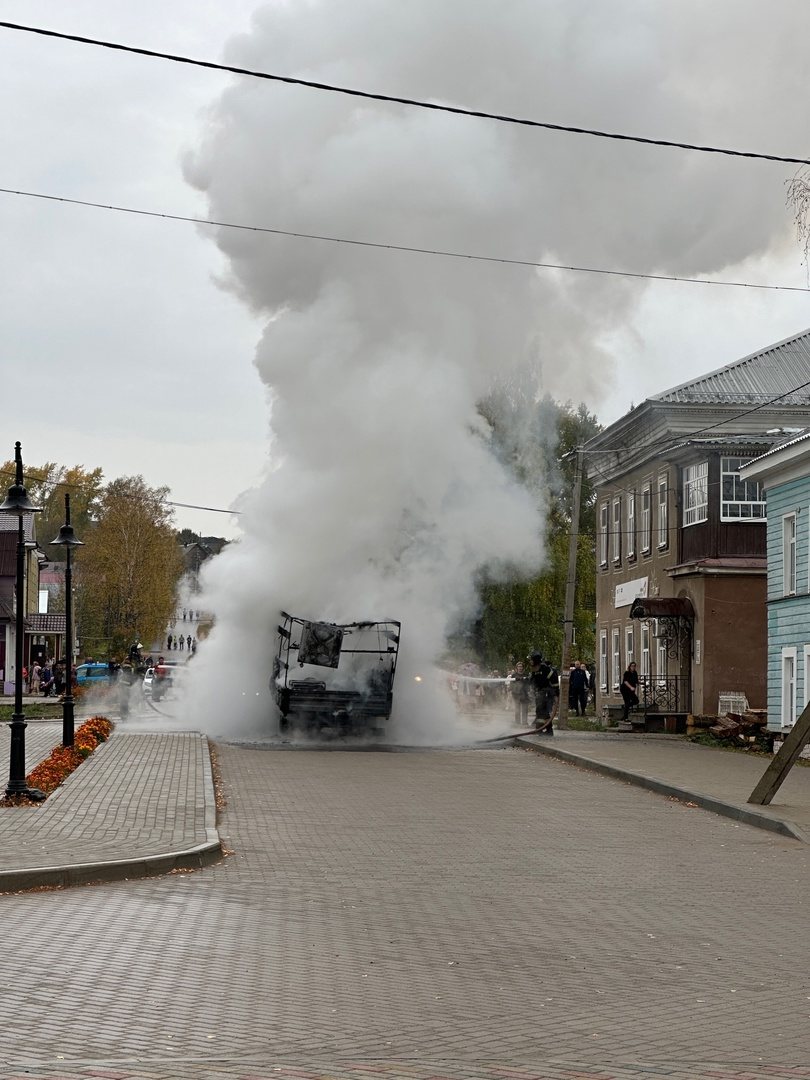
[
  {"x": 712, "y": 777},
  {"x": 140, "y": 803},
  {"x": 459, "y": 914}
]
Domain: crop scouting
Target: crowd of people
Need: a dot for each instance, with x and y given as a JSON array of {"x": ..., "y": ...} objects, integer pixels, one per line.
[
  {"x": 177, "y": 641},
  {"x": 531, "y": 688},
  {"x": 46, "y": 678}
]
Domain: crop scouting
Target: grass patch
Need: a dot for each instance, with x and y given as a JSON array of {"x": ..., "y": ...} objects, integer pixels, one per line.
[
  {"x": 47, "y": 710},
  {"x": 583, "y": 723}
]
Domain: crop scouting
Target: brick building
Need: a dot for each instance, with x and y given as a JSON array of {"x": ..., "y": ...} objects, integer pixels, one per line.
[{"x": 681, "y": 537}]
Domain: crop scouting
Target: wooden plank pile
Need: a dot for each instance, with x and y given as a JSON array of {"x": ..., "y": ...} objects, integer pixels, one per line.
[{"x": 742, "y": 729}]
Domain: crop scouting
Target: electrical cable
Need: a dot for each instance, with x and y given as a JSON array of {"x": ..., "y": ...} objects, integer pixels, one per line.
[
  {"x": 394, "y": 99},
  {"x": 686, "y": 436},
  {"x": 166, "y": 502},
  {"x": 400, "y": 247}
]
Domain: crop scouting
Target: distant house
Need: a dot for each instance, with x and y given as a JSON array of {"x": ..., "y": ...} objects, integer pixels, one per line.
[
  {"x": 681, "y": 535},
  {"x": 199, "y": 552},
  {"x": 43, "y": 634},
  {"x": 784, "y": 473}
]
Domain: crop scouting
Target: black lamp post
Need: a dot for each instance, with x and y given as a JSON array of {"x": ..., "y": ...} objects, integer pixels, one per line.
[
  {"x": 18, "y": 504},
  {"x": 67, "y": 540}
]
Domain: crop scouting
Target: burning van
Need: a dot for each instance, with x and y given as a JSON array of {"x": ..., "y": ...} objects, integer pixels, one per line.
[{"x": 335, "y": 678}]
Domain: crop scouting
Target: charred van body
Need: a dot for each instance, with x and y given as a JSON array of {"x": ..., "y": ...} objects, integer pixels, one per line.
[{"x": 335, "y": 677}]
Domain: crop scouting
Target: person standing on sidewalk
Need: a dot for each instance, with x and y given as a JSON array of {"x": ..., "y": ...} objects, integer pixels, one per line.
[
  {"x": 519, "y": 689},
  {"x": 629, "y": 688},
  {"x": 578, "y": 689},
  {"x": 46, "y": 681}
]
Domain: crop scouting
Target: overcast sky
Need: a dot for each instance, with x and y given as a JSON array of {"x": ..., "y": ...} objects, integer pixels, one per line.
[{"x": 120, "y": 350}]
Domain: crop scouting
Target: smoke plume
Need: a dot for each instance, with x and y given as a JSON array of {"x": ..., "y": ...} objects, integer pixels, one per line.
[{"x": 381, "y": 497}]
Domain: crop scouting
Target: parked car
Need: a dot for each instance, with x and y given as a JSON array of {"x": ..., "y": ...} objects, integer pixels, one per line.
[{"x": 94, "y": 675}]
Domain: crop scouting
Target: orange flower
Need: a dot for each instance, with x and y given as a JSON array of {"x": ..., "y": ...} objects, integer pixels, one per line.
[{"x": 49, "y": 774}]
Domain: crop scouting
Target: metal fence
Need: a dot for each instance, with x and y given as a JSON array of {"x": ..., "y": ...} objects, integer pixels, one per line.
[{"x": 668, "y": 694}]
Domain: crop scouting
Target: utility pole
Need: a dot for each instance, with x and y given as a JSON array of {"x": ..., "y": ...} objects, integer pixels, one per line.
[{"x": 570, "y": 590}]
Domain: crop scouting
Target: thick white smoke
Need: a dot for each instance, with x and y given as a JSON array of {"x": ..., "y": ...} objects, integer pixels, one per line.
[{"x": 382, "y": 499}]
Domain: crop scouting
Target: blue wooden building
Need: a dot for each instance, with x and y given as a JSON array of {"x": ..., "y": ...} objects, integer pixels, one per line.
[{"x": 784, "y": 473}]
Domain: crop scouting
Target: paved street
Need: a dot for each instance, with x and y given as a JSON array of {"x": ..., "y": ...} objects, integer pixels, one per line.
[{"x": 455, "y": 914}]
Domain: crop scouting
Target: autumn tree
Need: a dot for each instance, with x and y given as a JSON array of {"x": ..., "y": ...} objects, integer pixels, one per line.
[
  {"x": 128, "y": 570},
  {"x": 535, "y": 438},
  {"x": 46, "y": 486}
]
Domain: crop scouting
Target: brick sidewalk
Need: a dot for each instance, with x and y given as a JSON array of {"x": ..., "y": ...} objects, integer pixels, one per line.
[
  {"x": 140, "y": 804},
  {"x": 711, "y": 777}
]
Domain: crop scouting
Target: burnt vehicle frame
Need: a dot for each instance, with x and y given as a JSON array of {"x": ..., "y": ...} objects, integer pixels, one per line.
[{"x": 356, "y": 702}]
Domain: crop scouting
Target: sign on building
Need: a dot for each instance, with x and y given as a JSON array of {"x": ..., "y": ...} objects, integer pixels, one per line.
[{"x": 627, "y": 592}]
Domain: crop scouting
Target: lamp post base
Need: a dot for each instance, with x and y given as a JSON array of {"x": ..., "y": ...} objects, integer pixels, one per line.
[
  {"x": 16, "y": 780},
  {"x": 32, "y": 793}
]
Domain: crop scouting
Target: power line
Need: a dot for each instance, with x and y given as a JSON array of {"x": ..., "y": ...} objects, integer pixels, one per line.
[
  {"x": 394, "y": 99},
  {"x": 193, "y": 506},
  {"x": 67, "y": 484},
  {"x": 439, "y": 252},
  {"x": 686, "y": 436},
  {"x": 745, "y": 412}
]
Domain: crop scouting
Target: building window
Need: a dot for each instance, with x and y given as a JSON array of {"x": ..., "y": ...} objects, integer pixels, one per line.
[
  {"x": 631, "y": 525},
  {"x": 663, "y": 516},
  {"x": 617, "y": 530},
  {"x": 696, "y": 493},
  {"x": 645, "y": 651},
  {"x": 661, "y": 662},
  {"x": 616, "y": 660},
  {"x": 788, "y": 718},
  {"x": 806, "y": 673},
  {"x": 740, "y": 500},
  {"x": 789, "y": 555},
  {"x": 603, "y": 661},
  {"x": 629, "y": 649},
  {"x": 646, "y": 524},
  {"x": 603, "y": 535}
]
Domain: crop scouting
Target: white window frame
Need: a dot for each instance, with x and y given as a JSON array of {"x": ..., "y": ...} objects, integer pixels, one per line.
[
  {"x": 603, "y": 535},
  {"x": 661, "y": 661},
  {"x": 663, "y": 510},
  {"x": 696, "y": 493},
  {"x": 645, "y": 650},
  {"x": 615, "y": 659},
  {"x": 789, "y": 554},
  {"x": 730, "y": 466},
  {"x": 788, "y": 687},
  {"x": 806, "y": 674},
  {"x": 631, "y": 525},
  {"x": 646, "y": 519},
  {"x": 629, "y": 646},
  {"x": 603, "y": 659},
  {"x": 616, "y": 530}
]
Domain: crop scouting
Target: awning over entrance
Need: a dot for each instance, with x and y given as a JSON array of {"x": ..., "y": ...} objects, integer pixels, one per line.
[{"x": 662, "y": 607}]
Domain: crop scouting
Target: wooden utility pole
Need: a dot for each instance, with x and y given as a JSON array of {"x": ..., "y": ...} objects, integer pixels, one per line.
[{"x": 570, "y": 589}]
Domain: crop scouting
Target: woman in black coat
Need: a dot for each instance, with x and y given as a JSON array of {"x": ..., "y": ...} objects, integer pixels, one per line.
[{"x": 629, "y": 688}]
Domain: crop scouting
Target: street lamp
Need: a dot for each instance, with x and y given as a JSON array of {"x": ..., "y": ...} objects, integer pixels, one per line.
[
  {"x": 18, "y": 504},
  {"x": 67, "y": 540}
]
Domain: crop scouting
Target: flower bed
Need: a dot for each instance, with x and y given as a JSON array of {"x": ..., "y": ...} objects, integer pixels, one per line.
[{"x": 50, "y": 773}]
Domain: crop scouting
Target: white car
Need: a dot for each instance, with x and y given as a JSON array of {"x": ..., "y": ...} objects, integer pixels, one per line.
[{"x": 147, "y": 681}]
